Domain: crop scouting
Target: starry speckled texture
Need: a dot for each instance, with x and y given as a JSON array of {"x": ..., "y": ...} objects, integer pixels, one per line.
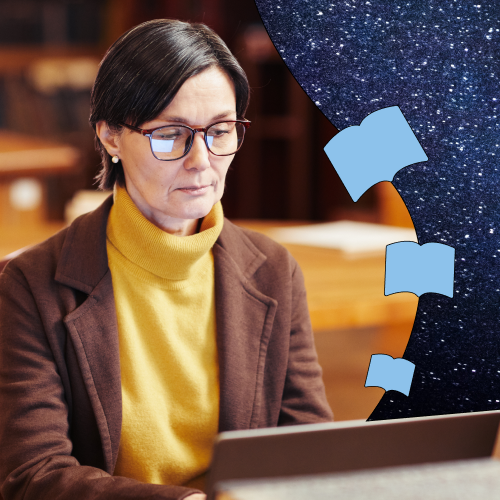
[{"x": 439, "y": 62}]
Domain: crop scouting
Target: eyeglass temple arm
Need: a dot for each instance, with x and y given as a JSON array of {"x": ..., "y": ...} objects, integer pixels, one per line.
[{"x": 136, "y": 129}]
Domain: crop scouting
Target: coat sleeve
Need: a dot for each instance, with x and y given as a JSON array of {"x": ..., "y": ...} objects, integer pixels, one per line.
[
  {"x": 35, "y": 458},
  {"x": 304, "y": 400}
]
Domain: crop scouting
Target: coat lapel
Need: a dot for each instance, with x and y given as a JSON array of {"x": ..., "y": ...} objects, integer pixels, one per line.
[
  {"x": 92, "y": 326},
  {"x": 244, "y": 322},
  {"x": 94, "y": 334}
]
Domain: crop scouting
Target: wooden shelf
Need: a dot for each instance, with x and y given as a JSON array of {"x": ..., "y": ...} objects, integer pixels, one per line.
[{"x": 14, "y": 60}]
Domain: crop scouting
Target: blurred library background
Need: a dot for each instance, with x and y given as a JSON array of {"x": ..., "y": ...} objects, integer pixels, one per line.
[{"x": 49, "y": 55}]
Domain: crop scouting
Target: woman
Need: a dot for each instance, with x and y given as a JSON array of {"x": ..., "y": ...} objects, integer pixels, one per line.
[{"x": 131, "y": 338}]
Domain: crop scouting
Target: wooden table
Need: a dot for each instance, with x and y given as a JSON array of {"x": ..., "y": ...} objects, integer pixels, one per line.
[{"x": 25, "y": 156}]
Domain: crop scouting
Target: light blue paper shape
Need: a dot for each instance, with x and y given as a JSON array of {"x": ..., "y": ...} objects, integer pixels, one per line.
[
  {"x": 410, "y": 267},
  {"x": 390, "y": 374},
  {"x": 374, "y": 151}
]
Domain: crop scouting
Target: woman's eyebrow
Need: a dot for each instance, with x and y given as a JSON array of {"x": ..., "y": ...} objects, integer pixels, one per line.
[{"x": 178, "y": 119}]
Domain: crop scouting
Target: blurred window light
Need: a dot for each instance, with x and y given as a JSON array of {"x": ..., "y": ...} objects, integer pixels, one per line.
[
  {"x": 50, "y": 75},
  {"x": 25, "y": 194}
]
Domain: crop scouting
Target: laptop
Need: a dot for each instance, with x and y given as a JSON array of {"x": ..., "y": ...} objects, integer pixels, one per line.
[{"x": 350, "y": 446}]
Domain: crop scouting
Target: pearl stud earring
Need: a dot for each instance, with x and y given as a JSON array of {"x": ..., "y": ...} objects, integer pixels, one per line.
[{"x": 115, "y": 159}]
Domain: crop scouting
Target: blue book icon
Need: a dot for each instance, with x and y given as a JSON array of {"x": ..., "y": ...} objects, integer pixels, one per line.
[
  {"x": 390, "y": 374},
  {"x": 410, "y": 267},
  {"x": 374, "y": 151}
]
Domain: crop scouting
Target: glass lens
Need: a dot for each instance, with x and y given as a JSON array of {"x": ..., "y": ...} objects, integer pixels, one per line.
[
  {"x": 170, "y": 143},
  {"x": 225, "y": 138}
]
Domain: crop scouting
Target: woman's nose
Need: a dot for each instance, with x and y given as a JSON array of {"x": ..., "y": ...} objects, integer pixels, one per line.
[{"x": 198, "y": 156}]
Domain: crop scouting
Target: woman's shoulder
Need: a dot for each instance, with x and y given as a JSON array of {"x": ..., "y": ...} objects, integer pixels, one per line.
[
  {"x": 35, "y": 258},
  {"x": 244, "y": 235},
  {"x": 246, "y": 244},
  {"x": 74, "y": 242}
]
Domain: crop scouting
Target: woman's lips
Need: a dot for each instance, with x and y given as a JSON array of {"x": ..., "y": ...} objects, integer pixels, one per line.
[{"x": 195, "y": 190}]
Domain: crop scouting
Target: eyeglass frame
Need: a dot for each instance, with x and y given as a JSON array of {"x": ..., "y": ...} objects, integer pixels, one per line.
[{"x": 149, "y": 133}]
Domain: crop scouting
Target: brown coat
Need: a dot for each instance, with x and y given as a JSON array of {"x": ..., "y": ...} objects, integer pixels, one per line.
[{"x": 60, "y": 389}]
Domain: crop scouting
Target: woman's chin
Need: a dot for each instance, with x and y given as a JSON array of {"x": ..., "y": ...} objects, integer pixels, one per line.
[{"x": 195, "y": 208}]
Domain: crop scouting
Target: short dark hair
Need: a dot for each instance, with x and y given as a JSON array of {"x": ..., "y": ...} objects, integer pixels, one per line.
[{"x": 143, "y": 71}]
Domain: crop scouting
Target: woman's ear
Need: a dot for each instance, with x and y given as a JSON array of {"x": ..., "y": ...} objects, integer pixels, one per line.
[{"x": 109, "y": 139}]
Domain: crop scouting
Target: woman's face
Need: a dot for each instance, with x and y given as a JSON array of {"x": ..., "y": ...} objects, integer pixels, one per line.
[{"x": 173, "y": 195}]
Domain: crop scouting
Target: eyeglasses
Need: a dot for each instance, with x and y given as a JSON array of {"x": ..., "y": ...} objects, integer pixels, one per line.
[{"x": 174, "y": 141}]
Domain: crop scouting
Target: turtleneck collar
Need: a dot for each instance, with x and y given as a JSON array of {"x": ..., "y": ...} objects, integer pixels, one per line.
[{"x": 154, "y": 250}]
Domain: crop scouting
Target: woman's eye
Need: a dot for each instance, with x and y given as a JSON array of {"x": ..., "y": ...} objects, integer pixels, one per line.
[
  {"x": 168, "y": 137},
  {"x": 218, "y": 133}
]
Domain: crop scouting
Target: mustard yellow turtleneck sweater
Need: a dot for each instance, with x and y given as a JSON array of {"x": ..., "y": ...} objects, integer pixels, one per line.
[{"x": 165, "y": 305}]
